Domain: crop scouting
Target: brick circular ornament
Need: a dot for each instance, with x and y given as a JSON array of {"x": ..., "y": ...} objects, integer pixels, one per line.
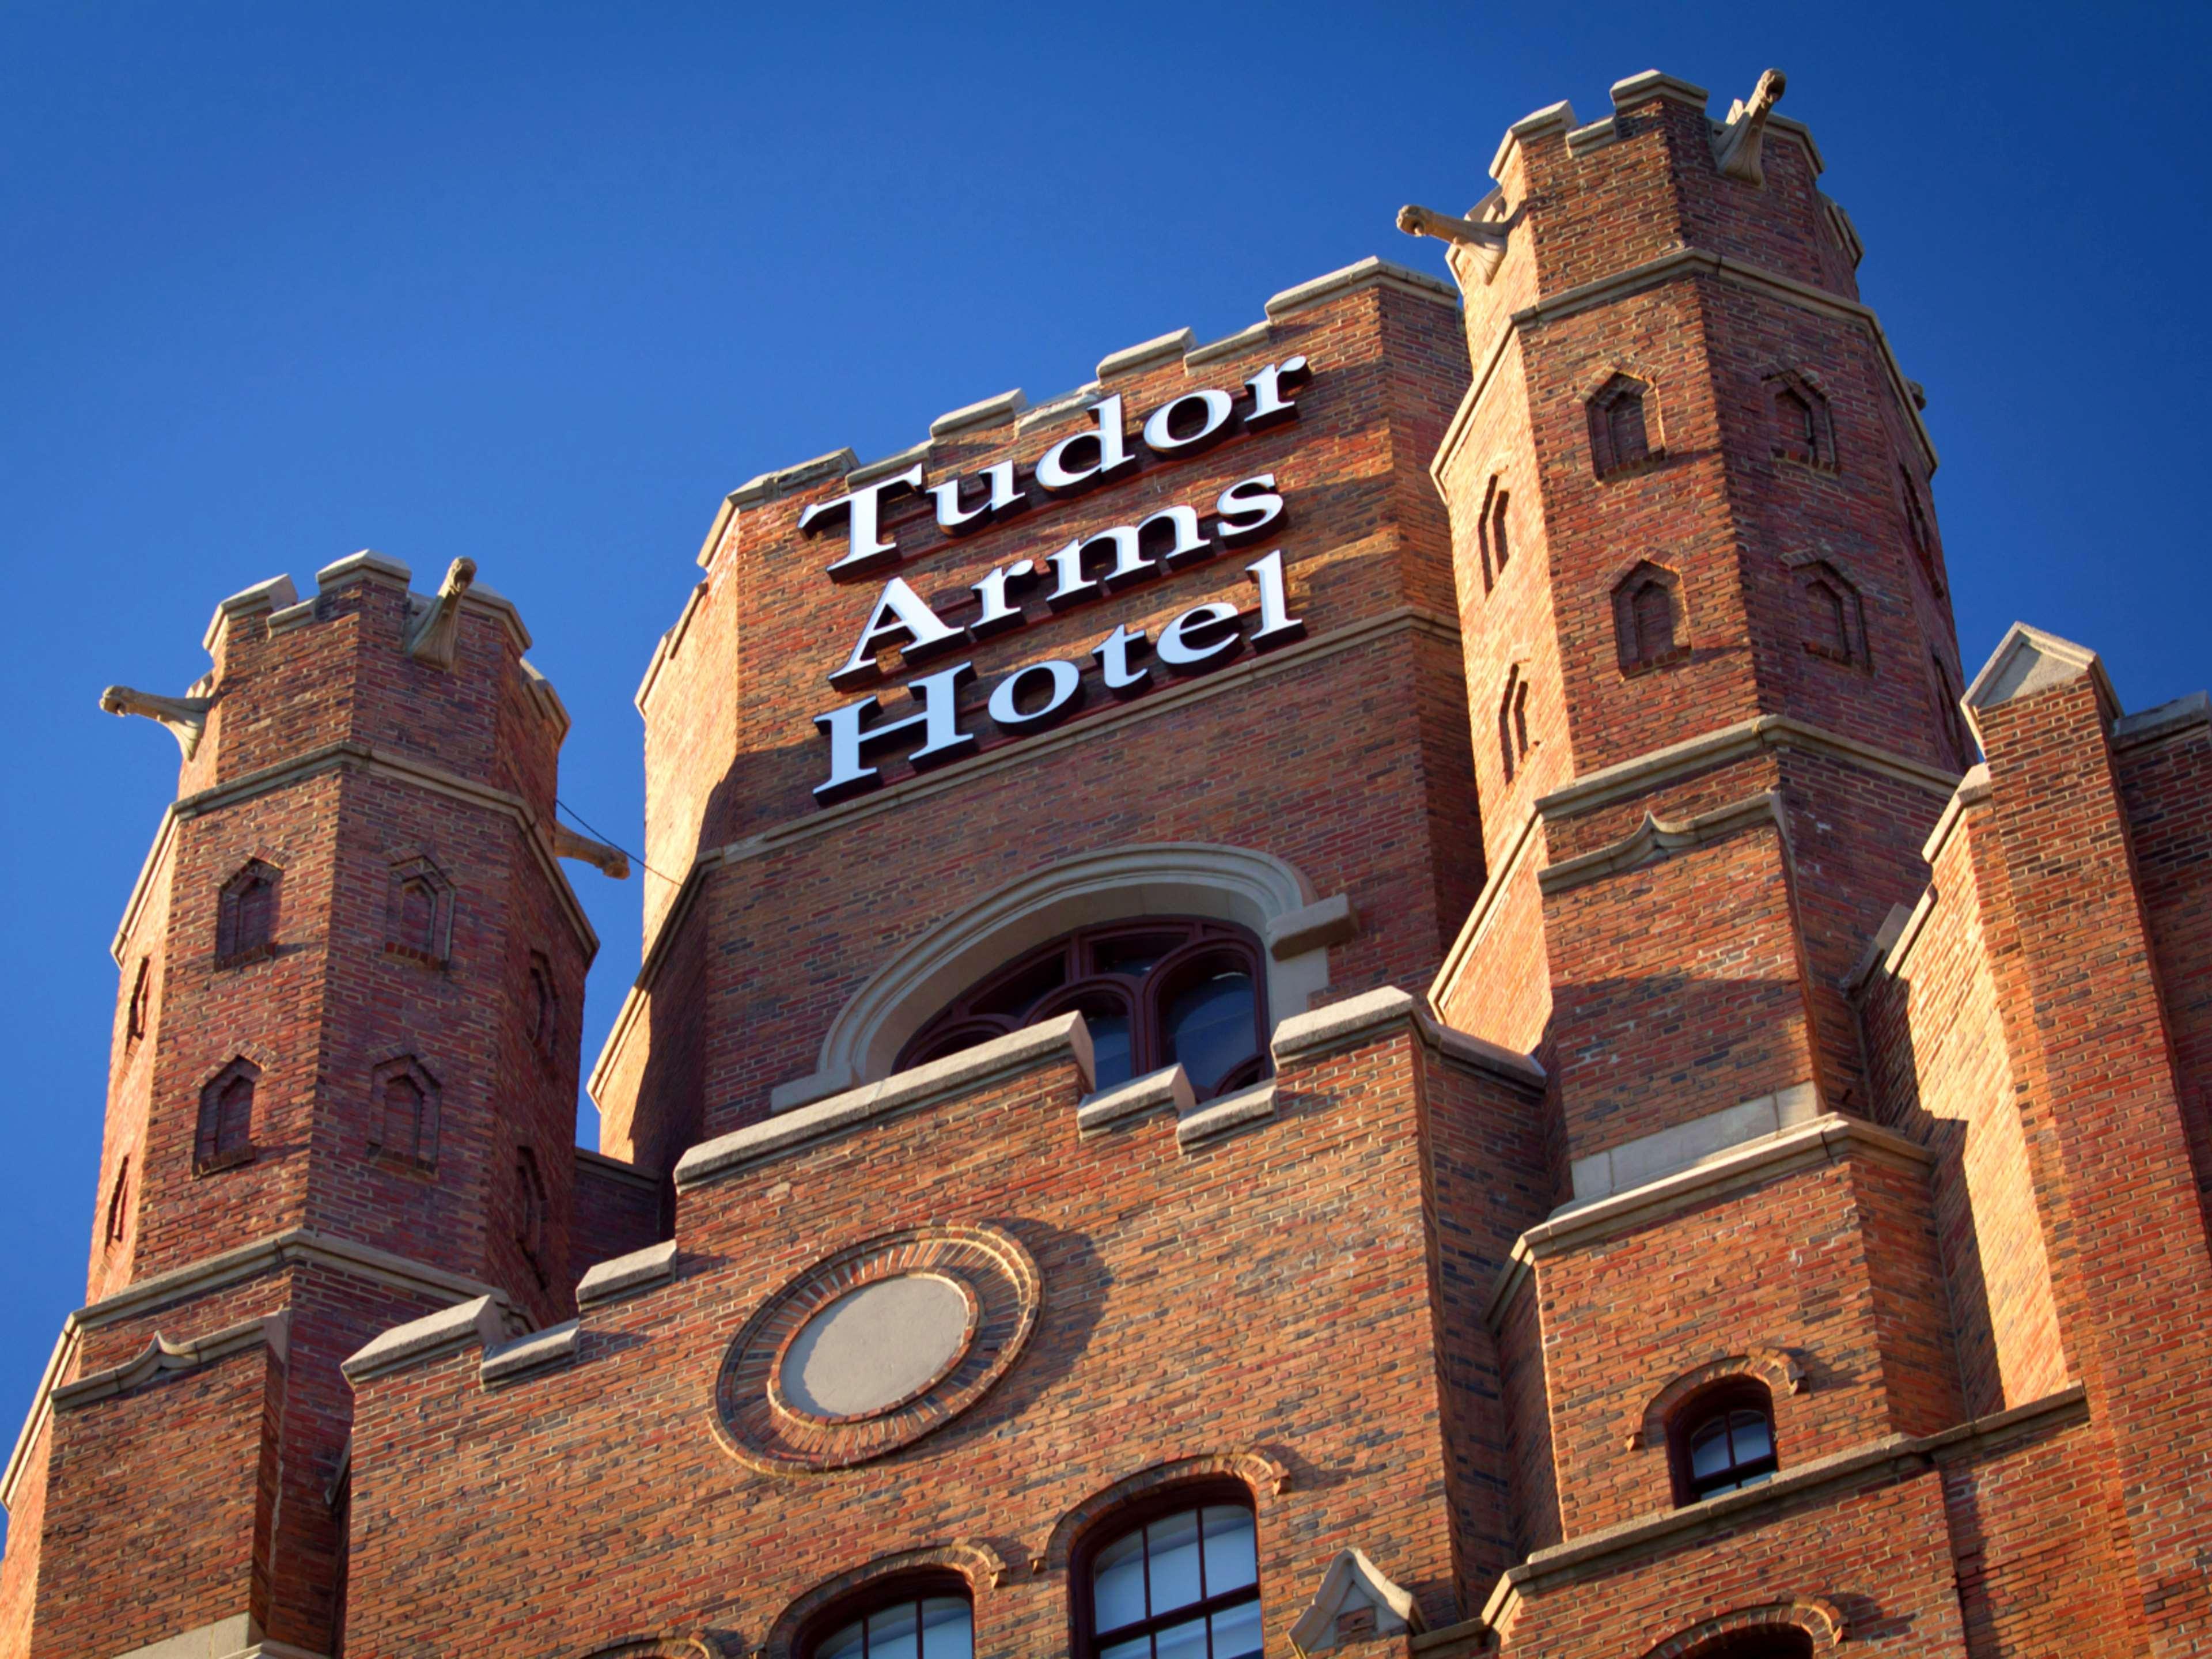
[{"x": 875, "y": 1347}]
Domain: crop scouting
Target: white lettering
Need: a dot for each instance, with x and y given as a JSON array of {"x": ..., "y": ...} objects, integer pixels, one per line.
[
  {"x": 1247, "y": 508},
  {"x": 850, "y": 742},
  {"x": 1213, "y": 408},
  {"x": 1113, "y": 654},
  {"x": 1063, "y": 699},
  {"x": 861, "y": 509},
  {"x": 900, "y": 610},
  {"x": 1277, "y": 625},
  {"x": 1269, "y": 406},
  {"x": 1000, "y": 613},
  {"x": 1055, "y": 472},
  {"x": 1130, "y": 565},
  {"x": 1183, "y": 643}
]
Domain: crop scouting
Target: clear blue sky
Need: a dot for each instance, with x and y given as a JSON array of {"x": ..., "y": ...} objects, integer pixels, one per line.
[{"x": 538, "y": 285}]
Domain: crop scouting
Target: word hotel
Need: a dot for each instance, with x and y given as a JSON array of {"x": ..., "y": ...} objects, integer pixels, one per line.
[{"x": 1377, "y": 988}]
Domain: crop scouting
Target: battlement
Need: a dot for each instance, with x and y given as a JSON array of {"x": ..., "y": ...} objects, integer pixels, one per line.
[{"x": 440, "y": 677}]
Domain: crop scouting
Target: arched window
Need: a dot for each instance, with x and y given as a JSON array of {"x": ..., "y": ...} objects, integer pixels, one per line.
[
  {"x": 1621, "y": 423},
  {"x": 1955, "y": 733},
  {"x": 226, "y": 1125},
  {"x": 1155, "y": 992},
  {"x": 530, "y": 1208},
  {"x": 1647, "y": 617},
  {"x": 1513, "y": 723},
  {"x": 1835, "y": 618},
  {"x": 915, "y": 1618},
  {"x": 1921, "y": 527},
  {"x": 1760, "y": 1642},
  {"x": 142, "y": 991},
  {"x": 541, "y": 1013},
  {"x": 119, "y": 1203},
  {"x": 1723, "y": 1440},
  {"x": 246, "y": 924},
  {"x": 407, "y": 1102},
  {"x": 1795, "y": 435},
  {"x": 1491, "y": 534},
  {"x": 1179, "y": 1580}
]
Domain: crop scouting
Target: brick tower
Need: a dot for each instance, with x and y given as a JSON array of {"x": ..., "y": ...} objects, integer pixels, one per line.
[{"x": 341, "y": 1096}]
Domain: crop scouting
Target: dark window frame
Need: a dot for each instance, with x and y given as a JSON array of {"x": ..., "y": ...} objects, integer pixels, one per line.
[
  {"x": 1123, "y": 1519},
  {"x": 917, "y": 1584},
  {"x": 245, "y": 927},
  {"x": 1719, "y": 1403},
  {"x": 1201, "y": 942}
]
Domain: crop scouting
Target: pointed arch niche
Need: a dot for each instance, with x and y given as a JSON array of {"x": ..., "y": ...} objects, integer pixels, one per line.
[{"x": 1255, "y": 890}]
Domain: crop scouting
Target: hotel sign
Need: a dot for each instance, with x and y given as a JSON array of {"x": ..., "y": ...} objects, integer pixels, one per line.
[{"x": 1040, "y": 694}]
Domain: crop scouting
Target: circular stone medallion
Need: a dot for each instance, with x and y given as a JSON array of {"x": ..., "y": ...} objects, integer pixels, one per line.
[{"x": 875, "y": 1347}]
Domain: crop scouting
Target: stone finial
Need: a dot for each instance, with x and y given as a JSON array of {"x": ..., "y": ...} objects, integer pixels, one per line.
[
  {"x": 609, "y": 861},
  {"x": 185, "y": 717},
  {"x": 432, "y": 632},
  {"x": 1735, "y": 147},
  {"x": 1355, "y": 1602},
  {"x": 1484, "y": 244}
]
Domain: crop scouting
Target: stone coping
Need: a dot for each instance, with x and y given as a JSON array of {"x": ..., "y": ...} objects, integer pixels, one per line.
[
  {"x": 622, "y": 1275},
  {"x": 555, "y": 1344},
  {"x": 160, "y": 1355},
  {"x": 1217, "y": 1117},
  {"x": 1828, "y": 1138},
  {"x": 1167, "y": 1088},
  {"x": 1355, "y": 1020},
  {"x": 483, "y": 1322},
  {"x": 901, "y": 1092},
  {"x": 1895, "y": 1454}
]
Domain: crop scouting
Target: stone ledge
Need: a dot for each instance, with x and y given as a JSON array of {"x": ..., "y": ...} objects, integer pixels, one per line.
[
  {"x": 482, "y": 1323},
  {"x": 915, "y": 1087},
  {"x": 2151, "y": 724},
  {"x": 276, "y": 593},
  {"x": 1229, "y": 344},
  {"x": 1651, "y": 1157},
  {"x": 523, "y": 1355},
  {"x": 1825, "y": 1140},
  {"x": 1369, "y": 272},
  {"x": 622, "y": 1275},
  {"x": 1693, "y": 1522},
  {"x": 1001, "y": 410},
  {"x": 767, "y": 486},
  {"x": 1212, "y": 1121},
  {"x": 1326, "y": 921},
  {"x": 1357, "y": 1019},
  {"x": 634, "y": 1174},
  {"x": 341, "y": 573},
  {"x": 162, "y": 1355},
  {"x": 1167, "y": 1088},
  {"x": 1130, "y": 359}
]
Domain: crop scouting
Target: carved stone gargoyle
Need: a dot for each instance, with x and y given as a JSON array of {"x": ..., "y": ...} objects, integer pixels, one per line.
[
  {"x": 1484, "y": 244},
  {"x": 1735, "y": 147},
  {"x": 433, "y": 631},
  {"x": 185, "y": 717},
  {"x": 1354, "y": 1603},
  {"x": 609, "y": 861}
]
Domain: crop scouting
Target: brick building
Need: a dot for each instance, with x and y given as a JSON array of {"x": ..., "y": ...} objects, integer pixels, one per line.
[{"x": 1376, "y": 986}]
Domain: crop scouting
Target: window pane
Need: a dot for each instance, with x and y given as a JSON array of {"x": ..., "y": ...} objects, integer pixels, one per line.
[
  {"x": 1183, "y": 1641},
  {"x": 1134, "y": 956},
  {"x": 1237, "y": 1632},
  {"x": 1117, "y": 1584},
  {"x": 1709, "y": 1450},
  {"x": 1173, "y": 1544},
  {"x": 1209, "y": 1028},
  {"x": 1014, "y": 996},
  {"x": 841, "y": 1645},
  {"x": 1231, "y": 1560},
  {"x": 1109, "y": 1047},
  {"x": 1748, "y": 1429},
  {"x": 891, "y": 1633},
  {"x": 948, "y": 1630},
  {"x": 1139, "y": 1648}
]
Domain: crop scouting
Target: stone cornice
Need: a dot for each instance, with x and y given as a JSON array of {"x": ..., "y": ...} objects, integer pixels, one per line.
[
  {"x": 377, "y": 762},
  {"x": 1639, "y": 774},
  {"x": 161, "y": 1355},
  {"x": 1825, "y": 1140},
  {"x": 828, "y": 819},
  {"x": 291, "y": 1247},
  {"x": 1892, "y": 1455},
  {"x": 1666, "y": 268},
  {"x": 1658, "y": 837}
]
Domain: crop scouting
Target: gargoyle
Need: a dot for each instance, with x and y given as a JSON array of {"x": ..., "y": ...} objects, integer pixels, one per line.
[
  {"x": 609, "y": 861},
  {"x": 1735, "y": 147},
  {"x": 185, "y": 717},
  {"x": 433, "y": 630},
  {"x": 1485, "y": 243}
]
